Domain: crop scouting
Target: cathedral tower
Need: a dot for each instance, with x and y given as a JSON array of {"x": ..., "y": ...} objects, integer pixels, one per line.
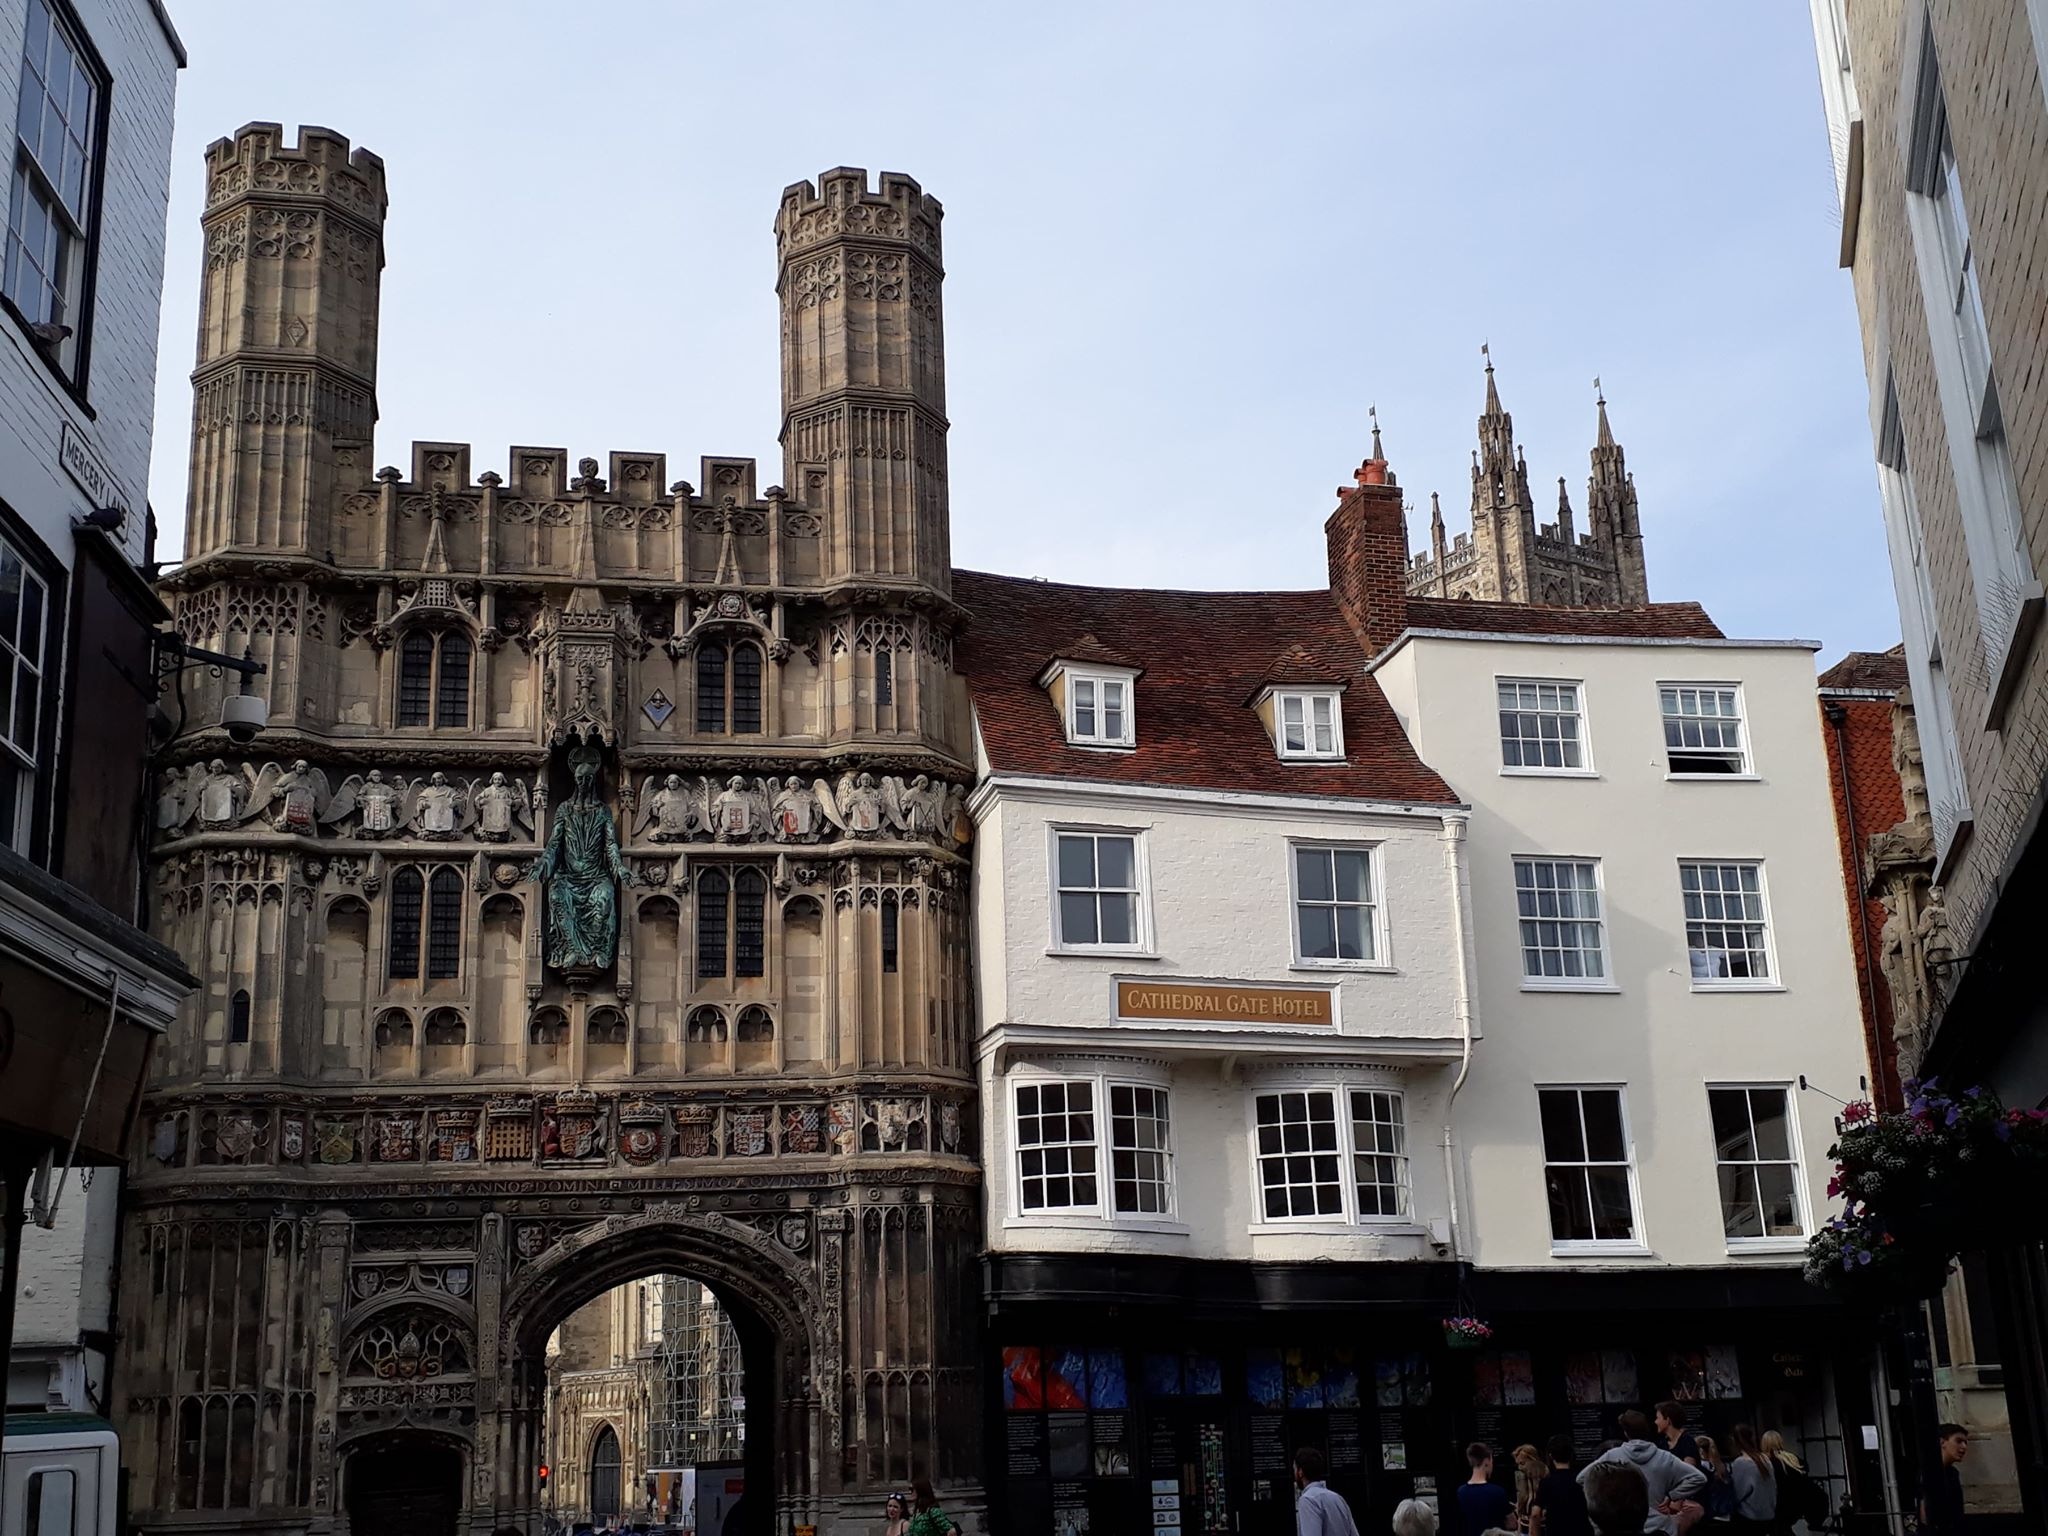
[{"x": 864, "y": 374}]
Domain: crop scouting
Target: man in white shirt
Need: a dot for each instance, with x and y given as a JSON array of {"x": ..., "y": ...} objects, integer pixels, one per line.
[{"x": 1317, "y": 1511}]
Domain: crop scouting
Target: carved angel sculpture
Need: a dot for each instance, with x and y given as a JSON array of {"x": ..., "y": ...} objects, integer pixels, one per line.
[
  {"x": 299, "y": 792},
  {"x": 223, "y": 795},
  {"x": 499, "y": 804},
  {"x": 374, "y": 798},
  {"x": 178, "y": 798},
  {"x": 795, "y": 814},
  {"x": 915, "y": 807},
  {"x": 860, "y": 804},
  {"x": 673, "y": 807},
  {"x": 439, "y": 809},
  {"x": 740, "y": 813}
]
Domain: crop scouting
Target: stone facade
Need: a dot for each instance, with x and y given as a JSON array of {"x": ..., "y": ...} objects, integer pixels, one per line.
[
  {"x": 391, "y": 1144},
  {"x": 1507, "y": 558}
]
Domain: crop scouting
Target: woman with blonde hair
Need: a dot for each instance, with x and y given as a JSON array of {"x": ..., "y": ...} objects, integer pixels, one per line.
[
  {"x": 1756, "y": 1484},
  {"x": 1529, "y": 1470}
]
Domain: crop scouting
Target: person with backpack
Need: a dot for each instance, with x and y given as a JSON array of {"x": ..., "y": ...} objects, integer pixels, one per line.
[{"x": 1800, "y": 1495}]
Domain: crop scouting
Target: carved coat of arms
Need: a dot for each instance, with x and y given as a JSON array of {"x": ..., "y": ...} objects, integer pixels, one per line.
[
  {"x": 571, "y": 1127},
  {"x": 694, "y": 1131},
  {"x": 747, "y": 1132},
  {"x": 336, "y": 1140}
]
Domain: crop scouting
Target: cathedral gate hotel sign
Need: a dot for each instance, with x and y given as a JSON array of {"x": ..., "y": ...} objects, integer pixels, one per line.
[{"x": 1223, "y": 1002}]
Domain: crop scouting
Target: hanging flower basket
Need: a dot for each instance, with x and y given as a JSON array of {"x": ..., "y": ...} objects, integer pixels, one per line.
[
  {"x": 1466, "y": 1333},
  {"x": 1920, "y": 1185}
]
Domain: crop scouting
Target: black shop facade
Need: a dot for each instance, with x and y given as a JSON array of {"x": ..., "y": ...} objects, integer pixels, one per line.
[{"x": 1151, "y": 1394}]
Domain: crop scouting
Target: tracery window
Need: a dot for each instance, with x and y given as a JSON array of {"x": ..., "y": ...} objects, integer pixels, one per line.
[
  {"x": 728, "y": 688},
  {"x": 430, "y": 908},
  {"x": 732, "y": 924},
  {"x": 433, "y": 679}
]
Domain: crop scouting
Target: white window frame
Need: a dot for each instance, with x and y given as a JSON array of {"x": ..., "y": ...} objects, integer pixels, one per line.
[
  {"x": 24, "y": 759},
  {"x": 1017, "y": 1083},
  {"x": 1376, "y": 927},
  {"x": 1934, "y": 711},
  {"x": 1585, "y": 768},
  {"x": 31, "y": 179},
  {"x": 2003, "y": 581},
  {"x": 1802, "y": 1211},
  {"x": 1635, "y": 1244},
  {"x": 1165, "y": 1153},
  {"x": 1348, "y": 1217},
  {"x": 1307, "y": 700},
  {"x": 1746, "y": 767},
  {"x": 1098, "y": 679},
  {"x": 1540, "y": 983},
  {"x": 1101, "y": 1085},
  {"x": 1141, "y": 923},
  {"x": 1774, "y": 981}
]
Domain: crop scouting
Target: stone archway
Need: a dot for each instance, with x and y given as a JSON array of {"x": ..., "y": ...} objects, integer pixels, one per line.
[
  {"x": 788, "y": 1328},
  {"x": 404, "y": 1480}
]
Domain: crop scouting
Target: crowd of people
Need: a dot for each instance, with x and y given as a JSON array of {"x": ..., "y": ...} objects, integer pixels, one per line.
[{"x": 1660, "y": 1478}]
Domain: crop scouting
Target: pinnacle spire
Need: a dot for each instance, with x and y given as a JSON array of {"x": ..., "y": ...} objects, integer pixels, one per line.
[
  {"x": 1492, "y": 394},
  {"x": 1436, "y": 516},
  {"x": 1606, "y": 437}
]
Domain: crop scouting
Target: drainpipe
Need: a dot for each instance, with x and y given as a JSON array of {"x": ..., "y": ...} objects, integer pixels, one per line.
[{"x": 1460, "y": 874}]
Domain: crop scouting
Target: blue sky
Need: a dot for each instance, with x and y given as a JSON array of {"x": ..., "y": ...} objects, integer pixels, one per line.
[{"x": 1187, "y": 245}]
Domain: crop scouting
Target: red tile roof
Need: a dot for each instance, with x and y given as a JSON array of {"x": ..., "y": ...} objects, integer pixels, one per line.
[
  {"x": 1651, "y": 621},
  {"x": 1203, "y": 654},
  {"x": 1885, "y": 670}
]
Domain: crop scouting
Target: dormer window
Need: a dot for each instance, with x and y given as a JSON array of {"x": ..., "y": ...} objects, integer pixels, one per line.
[
  {"x": 1305, "y": 722},
  {"x": 1311, "y": 724},
  {"x": 1095, "y": 701}
]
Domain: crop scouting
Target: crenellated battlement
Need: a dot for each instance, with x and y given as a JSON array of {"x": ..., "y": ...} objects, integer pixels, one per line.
[
  {"x": 548, "y": 474},
  {"x": 840, "y": 203},
  {"x": 259, "y": 160}
]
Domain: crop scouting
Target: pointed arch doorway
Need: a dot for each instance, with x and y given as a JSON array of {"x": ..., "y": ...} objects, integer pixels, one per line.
[{"x": 606, "y": 1495}]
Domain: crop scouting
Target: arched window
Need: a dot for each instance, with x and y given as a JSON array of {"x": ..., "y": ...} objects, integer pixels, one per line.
[
  {"x": 433, "y": 679},
  {"x": 415, "y": 677},
  {"x": 444, "y": 924},
  {"x": 446, "y": 1027},
  {"x": 238, "y": 1019},
  {"x": 604, "y": 1475},
  {"x": 885, "y": 677},
  {"x": 755, "y": 1024},
  {"x": 408, "y": 887},
  {"x": 891, "y": 918},
  {"x": 728, "y": 688},
  {"x": 750, "y": 924},
  {"x": 712, "y": 909},
  {"x": 711, "y": 660},
  {"x": 746, "y": 689},
  {"x": 451, "y": 689}
]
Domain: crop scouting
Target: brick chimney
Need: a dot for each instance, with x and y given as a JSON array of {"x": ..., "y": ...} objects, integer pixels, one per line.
[{"x": 1368, "y": 539}]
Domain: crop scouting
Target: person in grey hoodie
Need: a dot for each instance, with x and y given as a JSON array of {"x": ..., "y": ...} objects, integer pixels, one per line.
[
  {"x": 1756, "y": 1483},
  {"x": 1670, "y": 1481}
]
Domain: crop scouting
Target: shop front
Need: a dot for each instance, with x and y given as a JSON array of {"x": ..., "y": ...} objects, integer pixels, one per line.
[{"x": 1169, "y": 1396}]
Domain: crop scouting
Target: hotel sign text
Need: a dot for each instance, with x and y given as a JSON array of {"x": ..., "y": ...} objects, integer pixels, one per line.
[{"x": 1204, "y": 1002}]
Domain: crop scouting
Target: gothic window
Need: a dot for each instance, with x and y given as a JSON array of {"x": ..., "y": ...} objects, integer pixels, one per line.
[
  {"x": 712, "y": 909},
  {"x": 407, "y": 890},
  {"x": 433, "y": 679},
  {"x": 707, "y": 1026},
  {"x": 885, "y": 678},
  {"x": 444, "y": 924},
  {"x": 415, "y": 677},
  {"x": 728, "y": 688},
  {"x": 548, "y": 1028},
  {"x": 891, "y": 918},
  {"x": 755, "y": 1024},
  {"x": 749, "y": 923},
  {"x": 238, "y": 1019},
  {"x": 451, "y": 689},
  {"x": 445, "y": 1027},
  {"x": 607, "y": 1026}
]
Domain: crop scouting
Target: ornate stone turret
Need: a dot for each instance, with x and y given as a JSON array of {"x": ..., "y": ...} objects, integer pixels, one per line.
[
  {"x": 864, "y": 374},
  {"x": 287, "y": 366},
  {"x": 1611, "y": 514}
]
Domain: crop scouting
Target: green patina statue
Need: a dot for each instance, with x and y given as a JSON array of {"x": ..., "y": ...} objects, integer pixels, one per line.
[{"x": 580, "y": 870}]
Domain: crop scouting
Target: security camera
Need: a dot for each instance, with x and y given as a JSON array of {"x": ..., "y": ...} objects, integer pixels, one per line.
[{"x": 242, "y": 715}]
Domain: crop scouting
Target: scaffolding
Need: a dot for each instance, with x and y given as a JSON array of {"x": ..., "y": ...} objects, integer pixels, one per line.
[{"x": 699, "y": 1403}]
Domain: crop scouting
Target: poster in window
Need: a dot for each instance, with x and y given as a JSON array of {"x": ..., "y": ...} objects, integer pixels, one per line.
[
  {"x": 1386, "y": 1383},
  {"x": 1486, "y": 1381},
  {"x": 1204, "y": 1375},
  {"x": 1618, "y": 1376},
  {"x": 1415, "y": 1372},
  {"x": 1023, "y": 1387},
  {"x": 1262, "y": 1378},
  {"x": 1106, "y": 1385},
  {"x": 1340, "y": 1379},
  {"x": 1162, "y": 1375},
  {"x": 1582, "y": 1387},
  {"x": 1215, "y": 1480},
  {"x": 1688, "y": 1376},
  {"x": 1517, "y": 1379},
  {"x": 1724, "y": 1373},
  {"x": 1067, "y": 1442},
  {"x": 1394, "y": 1458},
  {"x": 1066, "y": 1379},
  {"x": 1304, "y": 1379},
  {"x": 1070, "y": 1520}
]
